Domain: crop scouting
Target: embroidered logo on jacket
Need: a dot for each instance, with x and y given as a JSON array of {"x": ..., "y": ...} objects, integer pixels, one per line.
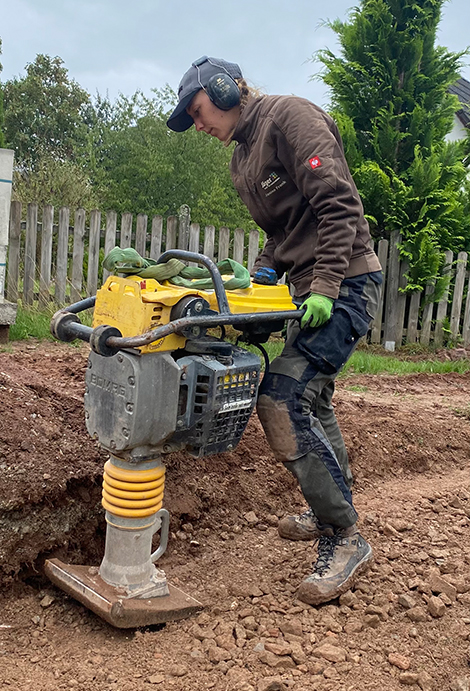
[
  {"x": 272, "y": 184},
  {"x": 271, "y": 180},
  {"x": 314, "y": 162}
]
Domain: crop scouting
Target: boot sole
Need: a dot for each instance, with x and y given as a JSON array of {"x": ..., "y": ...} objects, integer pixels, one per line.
[{"x": 305, "y": 594}]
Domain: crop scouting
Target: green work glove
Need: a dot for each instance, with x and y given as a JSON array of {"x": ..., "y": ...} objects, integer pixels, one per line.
[{"x": 317, "y": 310}]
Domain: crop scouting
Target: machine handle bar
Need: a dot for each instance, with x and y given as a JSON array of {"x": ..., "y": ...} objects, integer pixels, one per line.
[
  {"x": 66, "y": 329},
  {"x": 209, "y": 321},
  {"x": 164, "y": 525}
]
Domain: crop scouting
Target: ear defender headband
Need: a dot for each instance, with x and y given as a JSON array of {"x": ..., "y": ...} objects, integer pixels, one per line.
[{"x": 221, "y": 88}]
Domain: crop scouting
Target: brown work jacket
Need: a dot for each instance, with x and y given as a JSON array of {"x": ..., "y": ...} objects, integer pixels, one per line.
[{"x": 290, "y": 171}]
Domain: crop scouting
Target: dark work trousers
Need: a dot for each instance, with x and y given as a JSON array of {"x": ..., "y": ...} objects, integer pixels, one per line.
[{"x": 294, "y": 403}]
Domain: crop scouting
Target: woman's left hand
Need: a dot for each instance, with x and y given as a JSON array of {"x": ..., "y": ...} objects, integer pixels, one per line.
[{"x": 318, "y": 310}]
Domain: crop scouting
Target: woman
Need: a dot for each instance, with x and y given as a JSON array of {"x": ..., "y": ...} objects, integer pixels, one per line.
[{"x": 290, "y": 171}]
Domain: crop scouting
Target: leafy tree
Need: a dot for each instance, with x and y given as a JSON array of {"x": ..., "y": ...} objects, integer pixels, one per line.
[
  {"x": 60, "y": 183},
  {"x": 390, "y": 97},
  {"x": 74, "y": 152},
  {"x": 47, "y": 118},
  {"x": 141, "y": 166},
  {"x": 45, "y": 113}
]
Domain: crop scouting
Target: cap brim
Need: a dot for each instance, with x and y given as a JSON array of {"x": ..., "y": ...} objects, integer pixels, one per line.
[{"x": 179, "y": 120}]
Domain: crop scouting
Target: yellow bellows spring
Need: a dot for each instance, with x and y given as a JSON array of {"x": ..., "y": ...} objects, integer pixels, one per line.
[{"x": 132, "y": 493}]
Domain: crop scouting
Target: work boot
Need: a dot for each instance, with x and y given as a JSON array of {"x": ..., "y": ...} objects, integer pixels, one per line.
[
  {"x": 341, "y": 558},
  {"x": 302, "y": 526}
]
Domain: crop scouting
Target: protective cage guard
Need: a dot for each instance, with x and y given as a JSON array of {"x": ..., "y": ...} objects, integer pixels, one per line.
[{"x": 216, "y": 401}]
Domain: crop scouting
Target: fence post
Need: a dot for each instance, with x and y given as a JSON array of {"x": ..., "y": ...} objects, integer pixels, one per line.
[
  {"x": 141, "y": 234},
  {"x": 183, "y": 226},
  {"x": 382, "y": 253},
  {"x": 46, "y": 255},
  {"x": 391, "y": 306},
  {"x": 110, "y": 237},
  {"x": 466, "y": 318},
  {"x": 442, "y": 305},
  {"x": 224, "y": 243},
  {"x": 77, "y": 254},
  {"x": 13, "y": 276},
  {"x": 209, "y": 241},
  {"x": 62, "y": 255},
  {"x": 412, "y": 328},
  {"x": 426, "y": 318},
  {"x": 458, "y": 294},
  {"x": 93, "y": 252},
  {"x": 30, "y": 253},
  {"x": 156, "y": 239},
  {"x": 126, "y": 230},
  {"x": 171, "y": 229},
  {"x": 401, "y": 300},
  {"x": 194, "y": 232},
  {"x": 253, "y": 248},
  {"x": 239, "y": 245}
]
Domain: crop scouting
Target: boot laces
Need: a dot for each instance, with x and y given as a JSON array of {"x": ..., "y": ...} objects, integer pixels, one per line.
[
  {"x": 326, "y": 550},
  {"x": 307, "y": 516}
]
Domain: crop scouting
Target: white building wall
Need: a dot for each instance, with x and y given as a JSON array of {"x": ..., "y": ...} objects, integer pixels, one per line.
[{"x": 458, "y": 131}]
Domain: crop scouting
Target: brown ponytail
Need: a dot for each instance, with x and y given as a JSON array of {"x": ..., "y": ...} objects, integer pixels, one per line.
[{"x": 246, "y": 92}]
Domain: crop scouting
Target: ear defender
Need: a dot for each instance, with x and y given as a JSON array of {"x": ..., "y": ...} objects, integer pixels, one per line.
[
  {"x": 221, "y": 88},
  {"x": 223, "y": 91}
]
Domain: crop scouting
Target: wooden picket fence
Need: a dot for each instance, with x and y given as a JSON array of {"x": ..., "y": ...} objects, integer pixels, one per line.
[{"x": 60, "y": 263}]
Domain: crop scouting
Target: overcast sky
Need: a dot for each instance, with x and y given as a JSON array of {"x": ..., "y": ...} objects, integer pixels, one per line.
[{"x": 120, "y": 46}]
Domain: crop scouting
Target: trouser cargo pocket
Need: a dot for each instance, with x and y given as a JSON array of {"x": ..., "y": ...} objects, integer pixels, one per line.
[{"x": 329, "y": 346}]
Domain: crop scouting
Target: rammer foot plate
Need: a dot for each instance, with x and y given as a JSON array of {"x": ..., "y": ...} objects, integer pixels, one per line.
[{"x": 85, "y": 585}]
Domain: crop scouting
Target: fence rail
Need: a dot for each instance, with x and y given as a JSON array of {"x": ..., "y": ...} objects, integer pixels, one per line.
[{"x": 60, "y": 262}]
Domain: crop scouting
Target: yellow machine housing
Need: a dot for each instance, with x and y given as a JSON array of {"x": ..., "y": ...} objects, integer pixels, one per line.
[{"x": 135, "y": 305}]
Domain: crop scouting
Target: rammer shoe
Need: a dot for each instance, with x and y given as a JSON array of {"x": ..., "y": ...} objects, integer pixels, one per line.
[
  {"x": 341, "y": 558},
  {"x": 303, "y": 526}
]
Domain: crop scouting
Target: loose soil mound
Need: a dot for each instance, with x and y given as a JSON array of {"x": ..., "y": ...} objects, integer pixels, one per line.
[{"x": 406, "y": 622}]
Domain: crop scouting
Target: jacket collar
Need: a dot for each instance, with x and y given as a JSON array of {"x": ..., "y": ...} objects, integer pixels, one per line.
[{"x": 248, "y": 121}]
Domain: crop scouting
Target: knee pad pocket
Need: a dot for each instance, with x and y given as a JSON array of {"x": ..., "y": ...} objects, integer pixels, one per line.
[{"x": 280, "y": 412}]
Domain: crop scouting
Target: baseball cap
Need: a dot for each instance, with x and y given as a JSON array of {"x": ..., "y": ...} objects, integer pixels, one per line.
[{"x": 195, "y": 79}]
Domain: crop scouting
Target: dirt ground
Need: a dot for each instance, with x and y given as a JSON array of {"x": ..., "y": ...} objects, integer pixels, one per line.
[{"x": 405, "y": 623}]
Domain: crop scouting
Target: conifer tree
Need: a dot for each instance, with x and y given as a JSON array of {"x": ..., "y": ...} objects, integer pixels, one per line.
[{"x": 389, "y": 95}]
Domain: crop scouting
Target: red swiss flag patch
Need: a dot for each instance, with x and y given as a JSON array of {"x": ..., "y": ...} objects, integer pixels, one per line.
[{"x": 314, "y": 162}]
